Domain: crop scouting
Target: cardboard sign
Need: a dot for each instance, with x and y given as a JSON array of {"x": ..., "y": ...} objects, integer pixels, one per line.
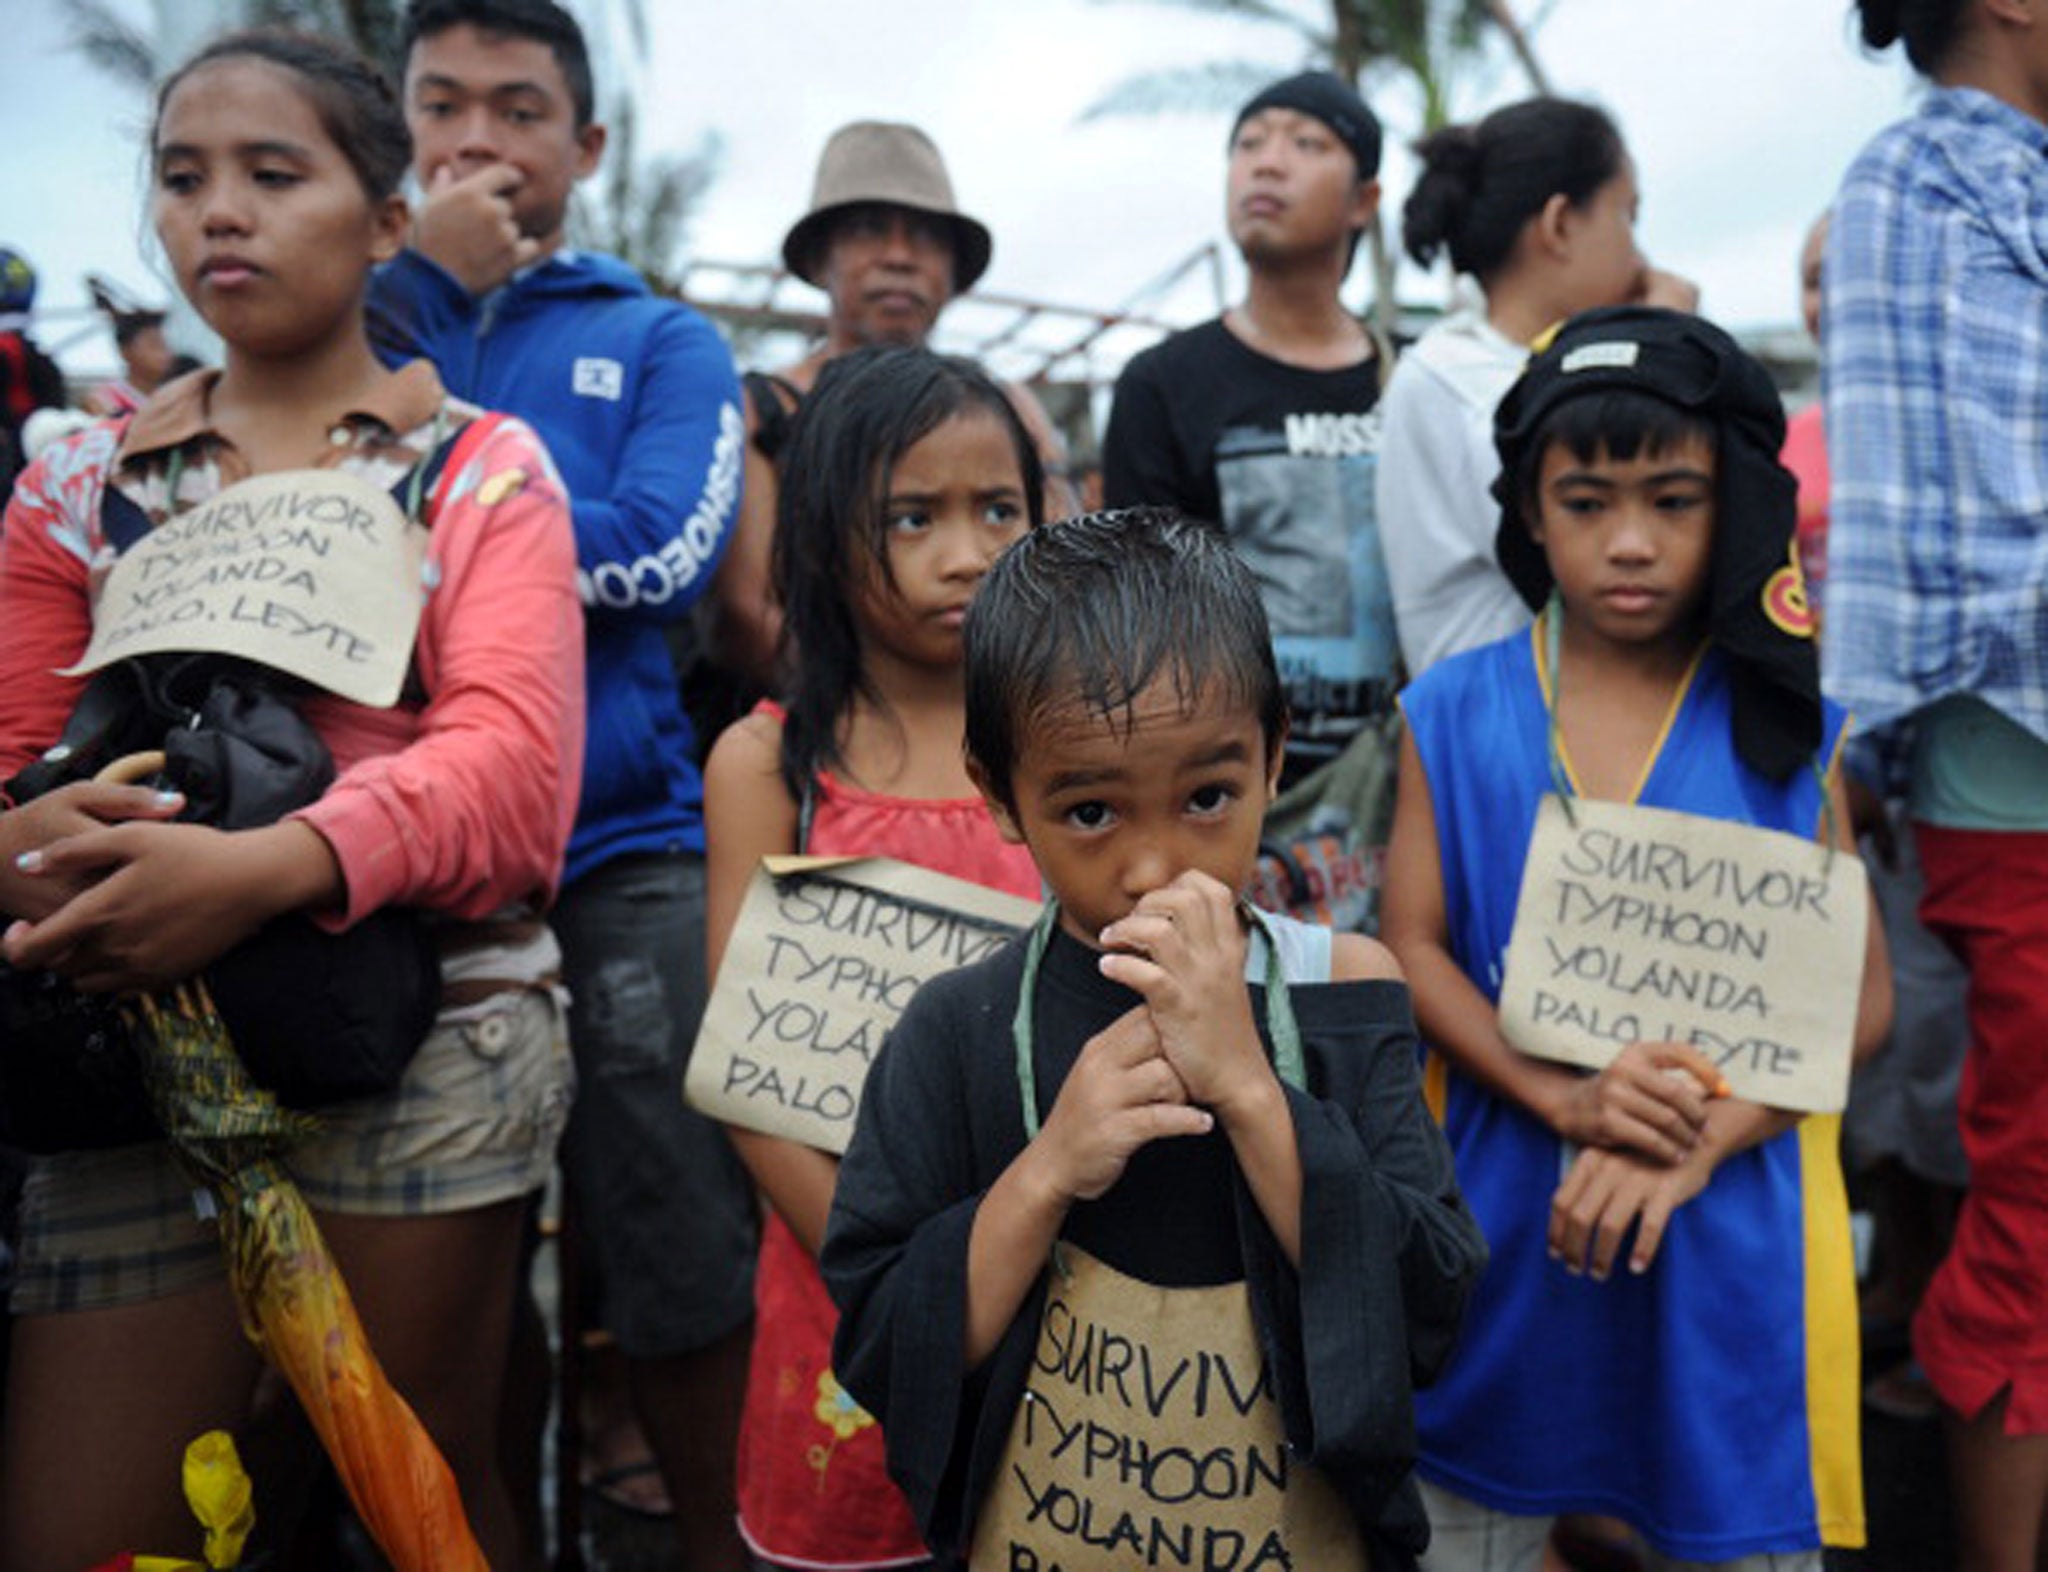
[
  {"x": 1148, "y": 1436},
  {"x": 313, "y": 572},
  {"x": 826, "y": 953},
  {"x": 1645, "y": 925}
]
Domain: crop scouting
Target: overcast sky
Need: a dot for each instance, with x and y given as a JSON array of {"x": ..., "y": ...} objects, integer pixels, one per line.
[{"x": 1741, "y": 115}]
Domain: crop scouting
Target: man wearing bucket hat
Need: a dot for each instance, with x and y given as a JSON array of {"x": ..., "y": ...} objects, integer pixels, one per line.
[
  {"x": 886, "y": 241},
  {"x": 884, "y": 238},
  {"x": 1266, "y": 423}
]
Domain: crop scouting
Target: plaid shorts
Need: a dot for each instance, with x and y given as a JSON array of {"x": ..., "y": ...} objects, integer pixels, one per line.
[
  {"x": 1468, "y": 1537},
  {"x": 475, "y": 1121}
]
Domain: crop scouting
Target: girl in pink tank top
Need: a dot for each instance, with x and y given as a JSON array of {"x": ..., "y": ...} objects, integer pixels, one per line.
[{"x": 905, "y": 475}]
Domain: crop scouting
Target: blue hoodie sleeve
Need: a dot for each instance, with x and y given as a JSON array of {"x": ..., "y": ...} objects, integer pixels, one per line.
[
  {"x": 413, "y": 308},
  {"x": 646, "y": 549}
]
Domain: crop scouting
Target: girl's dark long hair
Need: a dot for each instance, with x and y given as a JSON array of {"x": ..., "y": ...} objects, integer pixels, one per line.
[{"x": 831, "y": 522}]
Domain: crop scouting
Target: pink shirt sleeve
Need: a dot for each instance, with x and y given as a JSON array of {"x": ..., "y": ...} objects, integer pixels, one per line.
[
  {"x": 45, "y": 611},
  {"x": 462, "y": 804},
  {"x": 472, "y": 811}
]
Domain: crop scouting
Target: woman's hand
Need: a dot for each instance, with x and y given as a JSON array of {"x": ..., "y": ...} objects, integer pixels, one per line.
[
  {"x": 28, "y": 887},
  {"x": 160, "y": 901}
]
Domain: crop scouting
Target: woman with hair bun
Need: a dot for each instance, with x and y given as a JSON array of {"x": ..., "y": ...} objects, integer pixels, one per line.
[
  {"x": 1935, "y": 328},
  {"x": 1537, "y": 202}
]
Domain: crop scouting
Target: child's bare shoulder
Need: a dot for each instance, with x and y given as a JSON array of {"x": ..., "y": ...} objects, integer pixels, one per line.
[
  {"x": 1355, "y": 958},
  {"x": 751, "y": 745}
]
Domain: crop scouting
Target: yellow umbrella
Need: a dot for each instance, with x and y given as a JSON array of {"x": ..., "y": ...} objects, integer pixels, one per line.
[{"x": 228, "y": 1132}]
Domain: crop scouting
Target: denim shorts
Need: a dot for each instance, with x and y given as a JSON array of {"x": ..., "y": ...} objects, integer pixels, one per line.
[{"x": 663, "y": 1207}]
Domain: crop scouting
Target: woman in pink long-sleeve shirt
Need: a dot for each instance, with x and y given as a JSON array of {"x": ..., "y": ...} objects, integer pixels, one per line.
[{"x": 275, "y": 163}]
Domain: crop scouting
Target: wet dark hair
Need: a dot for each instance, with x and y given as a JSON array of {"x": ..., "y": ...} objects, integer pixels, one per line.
[
  {"x": 831, "y": 520},
  {"x": 1480, "y": 184},
  {"x": 540, "y": 20},
  {"x": 353, "y": 99},
  {"x": 1093, "y": 610},
  {"x": 1618, "y": 422},
  {"x": 1931, "y": 28}
]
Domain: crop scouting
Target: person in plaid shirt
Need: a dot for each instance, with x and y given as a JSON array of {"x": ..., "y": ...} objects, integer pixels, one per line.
[{"x": 1936, "y": 340}]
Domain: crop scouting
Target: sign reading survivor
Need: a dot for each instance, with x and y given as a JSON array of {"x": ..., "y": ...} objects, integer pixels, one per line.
[
  {"x": 1149, "y": 1436},
  {"x": 314, "y": 572},
  {"x": 824, "y": 956},
  {"x": 1645, "y": 925}
]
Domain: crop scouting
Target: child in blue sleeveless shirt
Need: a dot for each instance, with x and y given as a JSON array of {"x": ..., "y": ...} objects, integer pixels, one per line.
[{"x": 1666, "y": 1329}]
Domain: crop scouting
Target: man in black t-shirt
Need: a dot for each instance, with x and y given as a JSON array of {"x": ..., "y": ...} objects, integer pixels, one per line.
[{"x": 1265, "y": 420}]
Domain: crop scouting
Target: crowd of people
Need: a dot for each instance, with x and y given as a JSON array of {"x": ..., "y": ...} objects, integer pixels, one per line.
[{"x": 1269, "y": 736}]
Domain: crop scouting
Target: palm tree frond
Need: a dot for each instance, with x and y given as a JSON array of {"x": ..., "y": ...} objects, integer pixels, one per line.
[
  {"x": 642, "y": 211},
  {"x": 109, "y": 43},
  {"x": 1202, "y": 89},
  {"x": 1274, "y": 11},
  {"x": 376, "y": 26}
]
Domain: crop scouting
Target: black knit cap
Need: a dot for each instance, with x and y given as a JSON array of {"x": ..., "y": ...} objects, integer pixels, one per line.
[
  {"x": 1327, "y": 97},
  {"x": 1756, "y": 607}
]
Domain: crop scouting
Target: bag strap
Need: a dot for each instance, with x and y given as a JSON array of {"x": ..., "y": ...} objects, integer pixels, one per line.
[
  {"x": 774, "y": 399},
  {"x": 122, "y": 520},
  {"x": 424, "y": 478}
]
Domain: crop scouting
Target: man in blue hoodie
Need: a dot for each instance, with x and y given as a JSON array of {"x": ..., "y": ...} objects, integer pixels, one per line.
[{"x": 639, "y": 405}]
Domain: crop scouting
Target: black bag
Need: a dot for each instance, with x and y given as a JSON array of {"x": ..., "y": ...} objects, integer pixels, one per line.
[{"x": 317, "y": 1017}]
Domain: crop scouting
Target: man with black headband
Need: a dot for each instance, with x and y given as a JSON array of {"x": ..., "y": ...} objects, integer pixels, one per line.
[
  {"x": 1265, "y": 422},
  {"x": 1668, "y": 1258}
]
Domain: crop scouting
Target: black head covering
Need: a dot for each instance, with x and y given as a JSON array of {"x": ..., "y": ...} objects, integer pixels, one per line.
[
  {"x": 1327, "y": 97},
  {"x": 1756, "y": 606}
]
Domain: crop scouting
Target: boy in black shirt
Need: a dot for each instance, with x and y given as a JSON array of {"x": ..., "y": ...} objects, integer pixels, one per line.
[{"x": 1144, "y": 1233}]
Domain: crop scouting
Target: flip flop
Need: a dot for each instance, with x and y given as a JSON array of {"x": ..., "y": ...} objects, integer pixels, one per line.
[{"x": 610, "y": 1486}]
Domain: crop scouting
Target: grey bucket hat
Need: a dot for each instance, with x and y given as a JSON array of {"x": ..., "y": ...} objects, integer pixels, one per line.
[{"x": 879, "y": 161}]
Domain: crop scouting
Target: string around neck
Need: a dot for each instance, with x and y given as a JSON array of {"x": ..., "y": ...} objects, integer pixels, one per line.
[
  {"x": 1560, "y": 777},
  {"x": 415, "y": 480},
  {"x": 1288, "y": 1061}
]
